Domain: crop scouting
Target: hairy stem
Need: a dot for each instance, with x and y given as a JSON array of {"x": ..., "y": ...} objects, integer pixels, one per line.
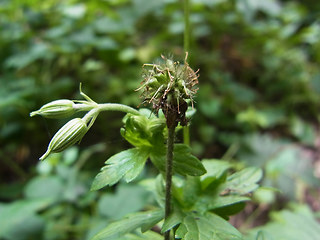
[{"x": 169, "y": 164}]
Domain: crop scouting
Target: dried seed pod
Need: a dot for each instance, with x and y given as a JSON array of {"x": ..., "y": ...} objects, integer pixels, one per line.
[
  {"x": 57, "y": 109},
  {"x": 71, "y": 133}
]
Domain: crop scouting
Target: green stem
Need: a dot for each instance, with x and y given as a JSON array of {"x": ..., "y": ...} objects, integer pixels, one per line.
[
  {"x": 186, "y": 135},
  {"x": 106, "y": 107},
  {"x": 169, "y": 165},
  {"x": 186, "y": 26},
  {"x": 117, "y": 107},
  {"x": 186, "y": 41}
]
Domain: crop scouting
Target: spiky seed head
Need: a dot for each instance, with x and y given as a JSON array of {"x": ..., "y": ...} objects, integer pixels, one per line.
[{"x": 168, "y": 86}]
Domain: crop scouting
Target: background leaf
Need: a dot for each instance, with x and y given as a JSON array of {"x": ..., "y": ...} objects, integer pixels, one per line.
[
  {"x": 15, "y": 215},
  {"x": 296, "y": 223},
  {"x": 126, "y": 199}
]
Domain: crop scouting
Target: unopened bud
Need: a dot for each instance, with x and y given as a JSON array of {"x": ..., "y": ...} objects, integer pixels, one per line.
[
  {"x": 57, "y": 109},
  {"x": 71, "y": 133}
]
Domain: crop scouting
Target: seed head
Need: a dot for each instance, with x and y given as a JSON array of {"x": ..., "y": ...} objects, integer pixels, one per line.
[{"x": 168, "y": 86}]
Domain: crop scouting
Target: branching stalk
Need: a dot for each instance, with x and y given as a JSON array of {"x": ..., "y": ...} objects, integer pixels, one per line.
[
  {"x": 117, "y": 107},
  {"x": 169, "y": 165},
  {"x": 85, "y": 107}
]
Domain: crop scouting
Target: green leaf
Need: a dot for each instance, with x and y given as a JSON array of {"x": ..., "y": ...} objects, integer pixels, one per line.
[
  {"x": 127, "y": 164},
  {"x": 237, "y": 204},
  {"x": 226, "y": 201},
  {"x": 37, "y": 51},
  {"x": 143, "y": 220},
  {"x": 173, "y": 220},
  {"x": 38, "y": 187},
  {"x": 149, "y": 235},
  {"x": 25, "y": 230},
  {"x": 184, "y": 162},
  {"x": 158, "y": 157},
  {"x": 157, "y": 187},
  {"x": 244, "y": 181},
  {"x": 261, "y": 236},
  {"x": 226, "y": 195},
  {"x": 304, "y": 131},
  {"x": 75, "y": 11},
  {"x": 127, "y": 199},
  {"x": 215, "y": 170},
  {"x": 294, "y": 224},
  {"x": 191, "y": 191},
  {"x": 206, "y": 227},
  {"x": 144, "y": 130},
  {"x": 18, "y": 213}
]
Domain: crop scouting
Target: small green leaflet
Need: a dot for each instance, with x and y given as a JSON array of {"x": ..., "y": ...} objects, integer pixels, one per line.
[
  {"x": 127, "y": 164},
  {"x": 143, "y": 220}
]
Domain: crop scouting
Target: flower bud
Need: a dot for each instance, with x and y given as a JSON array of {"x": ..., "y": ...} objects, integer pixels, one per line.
[
  {"x": 71, "y": 133},
  {"x": 57, "y": 109}
]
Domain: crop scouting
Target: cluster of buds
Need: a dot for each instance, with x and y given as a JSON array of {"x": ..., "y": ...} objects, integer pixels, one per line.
[
  {"x": 74, "y": 130},
  {"x": 169, "y": 86}
]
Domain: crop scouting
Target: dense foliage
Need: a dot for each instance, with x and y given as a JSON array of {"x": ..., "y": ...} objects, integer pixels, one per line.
[{"x": 258, "y": 105}]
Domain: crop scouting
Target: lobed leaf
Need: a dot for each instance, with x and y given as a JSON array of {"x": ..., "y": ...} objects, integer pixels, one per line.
[
  {"x": 244, "y": 181},
  {"x": 206, "y": 227},
  {"x": 127, "y": 164}
]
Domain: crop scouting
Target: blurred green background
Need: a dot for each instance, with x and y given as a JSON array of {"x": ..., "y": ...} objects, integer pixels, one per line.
[{"x": 258, "y": 102}]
